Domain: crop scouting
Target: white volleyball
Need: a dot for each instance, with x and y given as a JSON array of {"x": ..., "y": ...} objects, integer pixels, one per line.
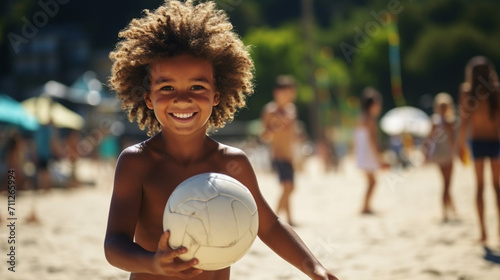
[{"x": 214, "y": 216}]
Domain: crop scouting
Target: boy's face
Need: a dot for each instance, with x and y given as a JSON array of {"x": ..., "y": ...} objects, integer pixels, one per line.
[
  {"x": 284, "y": 95},
  {"x": 182, "y": 93}
]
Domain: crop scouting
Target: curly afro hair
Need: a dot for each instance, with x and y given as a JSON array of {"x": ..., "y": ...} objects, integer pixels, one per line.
[{"x": 181, "y": 28}]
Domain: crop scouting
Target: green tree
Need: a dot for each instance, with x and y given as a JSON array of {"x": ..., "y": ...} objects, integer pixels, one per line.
[{"x": 275, "y": 52}]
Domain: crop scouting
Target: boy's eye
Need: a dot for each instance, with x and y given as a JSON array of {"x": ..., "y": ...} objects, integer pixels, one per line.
[
  {"x": 197, "y": 87},
  {"x": 167, "y": 88}
]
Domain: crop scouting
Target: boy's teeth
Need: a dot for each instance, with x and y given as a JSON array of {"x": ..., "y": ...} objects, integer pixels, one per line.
[{"x": 182, "y": 115}]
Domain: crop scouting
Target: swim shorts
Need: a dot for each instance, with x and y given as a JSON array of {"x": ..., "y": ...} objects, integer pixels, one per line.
[
  {"x": 485, "y": 148},
  {"x": 284, "y": 169}
]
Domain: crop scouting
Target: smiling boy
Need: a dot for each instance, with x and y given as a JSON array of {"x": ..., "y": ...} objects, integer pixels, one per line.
[{"x": 181, "y": 71}]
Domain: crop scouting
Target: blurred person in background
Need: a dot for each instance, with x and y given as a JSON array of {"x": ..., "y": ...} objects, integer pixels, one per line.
[
  {"x": 15, "y": 158},
  {"x": 280, "y": 131},
  {"x": 442, "y": 148},
  {"x": 73, "y": 156},
  {"x": 480, "y": 124},
  {"x": 366, "y": 146},
  {"x": 47, "y": 147}
]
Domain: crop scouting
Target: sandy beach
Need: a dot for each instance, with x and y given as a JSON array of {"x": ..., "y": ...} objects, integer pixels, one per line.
[{"x": 406, "y": 239}]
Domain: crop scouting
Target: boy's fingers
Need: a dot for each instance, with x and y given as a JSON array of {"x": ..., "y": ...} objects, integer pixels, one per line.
[
  {"x": 186, "y": 267},
  {"x": 163, "y": 243},
  {"x": 165, "y": 248},
  {"x": 184, "y": 270},
  {"x": 177, "y": 252},
  {"x": 188, "y": 274}
]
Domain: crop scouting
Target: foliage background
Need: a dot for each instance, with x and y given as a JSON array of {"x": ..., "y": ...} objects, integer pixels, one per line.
[{"x": 437, "y": 38}]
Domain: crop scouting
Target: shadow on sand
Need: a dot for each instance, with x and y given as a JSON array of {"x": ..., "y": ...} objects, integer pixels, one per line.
[{"x": 491, "y": 255}]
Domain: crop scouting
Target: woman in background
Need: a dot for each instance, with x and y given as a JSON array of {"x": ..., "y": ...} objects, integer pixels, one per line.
[
  {"x": 366, "y": 147},
  {"x": 480, "y": 117},
  {"x": 442, "y": 150}
]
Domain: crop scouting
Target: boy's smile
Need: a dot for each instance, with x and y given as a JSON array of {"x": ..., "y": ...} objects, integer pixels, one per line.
[
  {"x": 182, "y": 93},
  {"x": 183, "y": 117}
]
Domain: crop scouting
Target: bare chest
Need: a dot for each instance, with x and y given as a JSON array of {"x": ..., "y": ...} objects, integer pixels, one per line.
[{"x": 157, "y": 187}]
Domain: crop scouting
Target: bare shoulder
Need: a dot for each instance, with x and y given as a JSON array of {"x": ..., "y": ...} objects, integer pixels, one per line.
[
  {"x": 136, "y": 152},
  {"x": 236, "y": 164},
  {"x": 230, "y": 153},
  {"x": 136, "y": 158},
  {"x": 143, "y": 150}
]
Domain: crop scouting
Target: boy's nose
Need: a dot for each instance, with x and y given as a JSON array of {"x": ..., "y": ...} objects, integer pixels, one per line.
[{"x": 183, "y": 97}]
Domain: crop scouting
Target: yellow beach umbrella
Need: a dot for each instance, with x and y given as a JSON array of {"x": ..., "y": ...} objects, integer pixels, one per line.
[{"x": 46, "y": 109}]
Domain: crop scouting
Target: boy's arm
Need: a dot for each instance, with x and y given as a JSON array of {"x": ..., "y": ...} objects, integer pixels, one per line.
[
  {"x": 278, "y": 235},
  {"x": 283, "y": 240},
  {"x": 120, "y": 249}
]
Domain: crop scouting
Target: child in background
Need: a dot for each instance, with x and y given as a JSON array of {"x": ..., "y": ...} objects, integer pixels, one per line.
[
  {"x": 480, "y": 119},
  {"x": 15, "y": 158},
  {"x": 280, "y": 130},
  {"x": 442, "y": 150},
  {"x": 181, "y": 71},
  {"x": 366, "y": 147}
]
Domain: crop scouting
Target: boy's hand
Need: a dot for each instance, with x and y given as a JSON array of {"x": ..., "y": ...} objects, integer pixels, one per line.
[{"x": 167, "y": 263}]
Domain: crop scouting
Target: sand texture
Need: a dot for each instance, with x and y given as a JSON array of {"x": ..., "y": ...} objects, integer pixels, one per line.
[{"x": 405, "y": 239}]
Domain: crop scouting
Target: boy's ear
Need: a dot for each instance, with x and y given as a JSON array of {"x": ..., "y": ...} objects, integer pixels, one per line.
[
  {"x": 216, "y": 98},
  {"x": 147, "y": 99}
]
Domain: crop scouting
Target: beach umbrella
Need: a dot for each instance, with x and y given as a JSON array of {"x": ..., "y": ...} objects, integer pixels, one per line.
[
  {"x": 87, "y": 89},
  {"x": 13, "y": 112},
  {"x": 46, "y": 109},
  {"x": 406, "y": 119}
]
